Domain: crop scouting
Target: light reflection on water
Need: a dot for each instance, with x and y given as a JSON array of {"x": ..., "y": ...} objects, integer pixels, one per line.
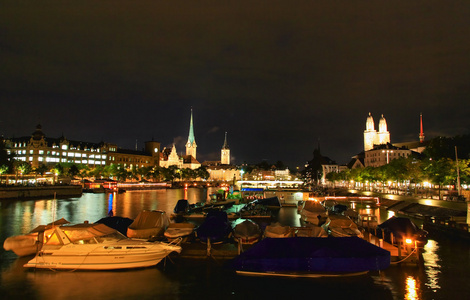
[
  {"x": 19, "y": 217},
  {"x": 431, "y": 263},
  {"x": 411, "y": 289}
]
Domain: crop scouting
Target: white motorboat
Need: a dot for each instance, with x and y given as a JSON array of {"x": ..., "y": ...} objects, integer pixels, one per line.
[
  {"x": 29, "y": 244},
  {"x": 341, "y": 226},
  {"x": 313, "y": 212},
  {"x": 97, "y": 247}
]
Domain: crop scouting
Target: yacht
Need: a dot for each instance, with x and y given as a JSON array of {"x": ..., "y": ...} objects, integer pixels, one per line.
[{"x": 97, "y": 247}]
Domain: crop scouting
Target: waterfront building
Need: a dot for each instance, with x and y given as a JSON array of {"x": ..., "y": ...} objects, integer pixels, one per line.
[
  {"x": 38, "y": 149},
  {"x": 382, "y": 154}
]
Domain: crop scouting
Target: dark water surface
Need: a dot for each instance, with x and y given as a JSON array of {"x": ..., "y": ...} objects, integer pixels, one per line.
[{"x": 444, "y": 275}]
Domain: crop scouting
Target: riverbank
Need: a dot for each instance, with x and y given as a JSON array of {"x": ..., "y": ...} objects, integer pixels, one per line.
[{"x": 40, "y": 192}]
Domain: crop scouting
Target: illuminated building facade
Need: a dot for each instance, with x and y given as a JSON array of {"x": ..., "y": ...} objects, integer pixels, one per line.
[
  {"x": 372, "y": 137},
  {"x": 41, "y": 150},
  {"x": 169, "y": 157},
  {"x": 382, "y": 154}
]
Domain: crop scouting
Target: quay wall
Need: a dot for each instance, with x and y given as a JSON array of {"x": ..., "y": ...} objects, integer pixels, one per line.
[{"x": 20, "y": 193}]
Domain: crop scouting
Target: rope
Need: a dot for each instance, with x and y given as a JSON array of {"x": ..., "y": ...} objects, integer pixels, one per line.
[{"x": 400, "y": 261}]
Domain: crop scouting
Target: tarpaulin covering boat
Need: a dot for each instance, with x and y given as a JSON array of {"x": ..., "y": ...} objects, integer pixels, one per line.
[
  {"x": 148, "y": 224},
  {"x": 310, "y": 256},
  {"x": 215, "y": 228},
  {"x": 246, "y": 231},
  {"x": 119, "y": 223},
  {"x": 29, "y": 244}
]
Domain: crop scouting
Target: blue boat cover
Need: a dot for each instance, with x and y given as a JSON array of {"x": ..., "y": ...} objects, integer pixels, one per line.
[
  {"x": 312, "y": 255},
  {"x": 216, "y": 227}
]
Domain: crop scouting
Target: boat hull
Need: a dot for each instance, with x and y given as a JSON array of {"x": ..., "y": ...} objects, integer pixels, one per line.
[{"x": 83, "y": 257}]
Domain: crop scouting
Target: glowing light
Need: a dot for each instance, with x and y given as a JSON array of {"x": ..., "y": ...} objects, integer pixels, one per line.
[{"x": 409, "y": 241}]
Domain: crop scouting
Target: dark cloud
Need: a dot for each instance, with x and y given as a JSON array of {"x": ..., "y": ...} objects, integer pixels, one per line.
[{"x": 276, "y": 76}]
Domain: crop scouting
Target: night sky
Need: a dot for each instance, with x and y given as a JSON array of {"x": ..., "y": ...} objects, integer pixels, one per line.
[{"x": 278, "y": 76}]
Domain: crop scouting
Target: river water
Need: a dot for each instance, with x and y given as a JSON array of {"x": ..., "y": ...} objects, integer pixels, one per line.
[{"x": 444, "y": 274}]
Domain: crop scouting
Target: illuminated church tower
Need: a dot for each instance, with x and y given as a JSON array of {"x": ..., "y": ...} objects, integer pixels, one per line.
[
  {"x": 369, "y": 134},
  {"x": 383, "y": 135},
  {"x": 225, "y": 153},
  {"x": 191, "y": 144},
  {"x": 372, "y": 137}
]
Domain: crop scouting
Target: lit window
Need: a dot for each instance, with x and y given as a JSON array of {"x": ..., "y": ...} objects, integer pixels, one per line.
[
  {"x": 78, "y": 155},
  {"x": 84, "y": 155},
  {"x": 104, "y": 156},
  {"x": 84, "y": 161},
  {"x": 64, "y": 147},
  {"x": 30, "y": 158},
  {"x": 30, "y": 151},
  {"x": 41, "y": 158},
  {"x": 53, "y": 152},
  {"x": 98, "y": 156},
  {"x": 70, "y": 154},
  {"x": 41, "y": 151}
]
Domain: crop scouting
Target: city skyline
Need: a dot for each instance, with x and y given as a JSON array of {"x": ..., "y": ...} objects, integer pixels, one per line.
[{"x": 279, "y": 78}]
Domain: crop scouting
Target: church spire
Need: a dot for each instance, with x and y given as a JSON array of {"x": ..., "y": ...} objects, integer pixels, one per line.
[
  {"x": 225, "y": 146},
  {"x": 225, "y": 153},
  {"x": 421, "y": 133},
  {"x": 191, "y": 138},
  {"x": 191, "y": 144}
]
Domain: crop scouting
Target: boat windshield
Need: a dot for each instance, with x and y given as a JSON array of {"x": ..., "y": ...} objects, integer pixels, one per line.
[{"x": 112, "y": 237}]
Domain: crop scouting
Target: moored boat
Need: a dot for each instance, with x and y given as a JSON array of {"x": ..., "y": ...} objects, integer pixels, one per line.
[
  {"x": 216, "y": 227},
  {"x": 97, "y": 247},
  {"x": 149, "y": 224},
  {"x": 311, "y": 257},
  {"x": 310, "y": 230},
  {"x": 313, "y": 212},
  {"x": 245, "y": 231},
  {"x": 181, "y": 230},
  {"x": 276, "y": 230},
  {"x": 341, "y": 226}
]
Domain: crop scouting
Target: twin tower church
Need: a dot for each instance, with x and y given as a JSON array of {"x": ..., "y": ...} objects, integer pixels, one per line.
[{"x": 171, "y": 158}]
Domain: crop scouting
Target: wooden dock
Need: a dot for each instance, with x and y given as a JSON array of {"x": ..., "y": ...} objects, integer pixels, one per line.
[{"x": 398, "y": 255}]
